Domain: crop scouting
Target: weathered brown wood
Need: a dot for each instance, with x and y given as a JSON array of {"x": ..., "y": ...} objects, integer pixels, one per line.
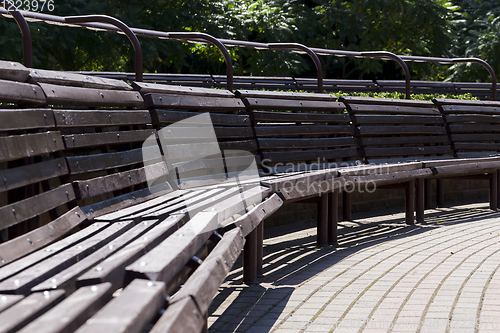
[
  {"x": 145, "y": 88},
  {"x": 23, "y": 119},
  {"x": 21, "y": 282},
  {"x": 410, "y": 203},
  {"x": 311, "y": 155},
  {"x": 182, "y": 316},
  {"x": 13, "y": 71},
  {"x": 290, "y": 105},
  {"x": 346, "y": 206},
  {"x": 137, "y": 304},
  {"x": 493, "y": 190},
  {"x": 193, "y": 102},
  {"x": 386, "y": 101},
  {"x": 203, "y": 284},
  {"x": 304, "y": 190},
  {"x": 32, "y": 173},
  {"x": 46, "y": 234},
  {"x": 398, "y": 119},
  {"x": 474, "y": 127},
  {"x": 23, "y": 312},
  {"x": 333, "y": 217},
  {"x": 322, "y": 223},
  {"x": 459, "y": 102},
  {"x": 288, "y": 95},
  {"x": 27, "y": 145},
  {"x": 265, "y": 116},
  {"x": 390, "y": 109},
  {"x": 66, "y": 279},
  {"x": 33, "y": 206},
  {"x": 420, "y": 199},
  {"x": 107, "y": 138},
  {"x": 472, "y": 117},
  {"x": 112, "y": 269},
  {"x": 474, "y": 137},
  {"x": 292, "y": 130},
  {"x": 105, "y": 184},
  {"x": 250, "y": 258},
  {"x": 471, "y": 108},
  {"x": 75, "y": 80},
  {"x": 408, "y": 151},
  {"x": 465, "y": 168},
  {"x": 73, "y": 311},
  {"x": 86, "y": 118},
  {"x": 278, "y": 143},
  {"x": 260, "y": 249},
  {"x": 21, "y": 93},
  {"x": 391, "y": 178},
  {"x": 378, "y": 169},
  {"x": 401, "y": 130},
  {"x": 51, "y": 250},
  {"x": 76, "y": 96},
  {"x": 404, "y": 140},
  {"x": 166, "y": 116},
  {"x": 7, "y": 301},
  {"x": 491, "y": 147}
]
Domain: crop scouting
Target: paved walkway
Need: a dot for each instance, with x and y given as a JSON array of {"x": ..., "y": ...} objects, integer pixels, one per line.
[{"x": 385, "y": 277}]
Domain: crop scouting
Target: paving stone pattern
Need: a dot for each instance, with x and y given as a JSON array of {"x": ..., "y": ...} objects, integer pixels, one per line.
[{"x": 441, "y": 276}]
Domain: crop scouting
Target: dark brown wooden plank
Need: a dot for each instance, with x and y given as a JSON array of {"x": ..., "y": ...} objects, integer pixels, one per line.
[
  {"x": 198, "y": 103},
  {"x": 13, "y": 71},
  {"x": 85, "y": 118},
  {"x": 34, "y": 206},
  {"x": 46, "y": 234},
  {"x": 401, "y": 130},
  {"x": 204, "y": 283},
  {"x": 246, "y": 145},
  {"x": 21, "y": 93},
  {"x": 112, "y": 269},
  {"x": 303, "y": 190},
  {"x": 407, "y": 151},
  {"x": 287, "y": 95},
  {"x": 36, "y": 257},
  {"x": 469, "y": 109},
  {"x": 106, "y": 138},
  {"x": 385, "y": 101},
  {"x": 291, "y": 105},
  {"x": 76, "y": 96},
  {"x": 66, "y": 278},
  {"x": 465, "y": 169},
  {"x": 145, "y": 88},
  {"x": 73, "y": 311},
  {"x": 277, "y": 183},
  {"x": 182, "y": 316},
  {"x": 473, "y": 118},
  {"x": 76, "y": 80},
  {"x": 404, "y": 140},
  {"x": 293, "y": 130},
  {"x": 32, "y": 173},
  {"x": 263, "y": 116},
  {"x": 390, "y": 109},
  {"x": 492, "y": 147},
  {"x": 27, "y": 145},
  {"x": 23, "y": 281},
  {"x": 26, "y": 119},
  {"x": 305, "y": 143},
  {"x": 6, "y": 301},
  {"x": 474, "y": 137},
  {"x": 307, "y": 155},
  {"x": 171, "y": 116},
  {"x": 23, "y": 312},
  {"x": 460, "y": 102},
  {"x": 137, "y": 304},
  {"x": 105, "y": 184},
  {"x": 398, "y": 119},
  {"x": 389, "y": 178},
  {"x": 474, "y": 127},
  {"x": 380, "y": 169}
]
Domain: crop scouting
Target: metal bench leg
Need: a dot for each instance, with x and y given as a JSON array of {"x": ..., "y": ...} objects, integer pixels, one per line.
[
  {"x": 333, "y": 217},
  {"x": 420, "y": 200},
  {"x": 494, "y": 190},
  {"x": 410, "y": 203},
  {"x": 322, "y": 234},
  {"x": 439, "y": 193},
  {"x": 250, "y": 258},
  {"x": 260, "y": 248},
  {"x": 346, "y": 206},
  {"x": 428, "y": 193}
]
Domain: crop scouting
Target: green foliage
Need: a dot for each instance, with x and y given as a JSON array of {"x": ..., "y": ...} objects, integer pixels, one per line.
[{"x": 398, "y": 95}]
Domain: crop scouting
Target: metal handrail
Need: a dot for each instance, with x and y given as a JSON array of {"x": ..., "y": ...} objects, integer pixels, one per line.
[
  {"x": 25, "y": 32},
  {"x": 124, "y": 28},
  {"x": 311, "y": 53}
]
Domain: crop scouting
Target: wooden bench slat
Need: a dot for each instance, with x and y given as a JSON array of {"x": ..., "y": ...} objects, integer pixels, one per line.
[
  {"x": 203, "y": 284},
  {"x": 23, "y": 312},
  {"x": 474, "y": 127},
  {"x": 286, "y": 95},
  {"x": 390, "y": 178},
  {"x": 405, "y": 151},
  {"x": 292, "y": 105},
  {"x": 247, "y": 145},
  {"x": 390, "y": 109},
  {"x": 66, "y": 278},
  {"x": 212, "y": 196},
  {"x": 21, "y": 93},
  {"x": 197, "y": 103},
  {"x": 386, "y": 101},
  {"x": 7, "y": 301},
  {"x": 465, "y": 169},
  {"x": 401, "y": 130},
  {"x": 46, "y": 234},
  {"x": 100, "y": 118},
  {"x": 13, "y": 71},
  {"x": 474, "y": 118},
  {"x": 398, "y": 119},
  {"x": 25, "y": 209},
  {"x": 24, "y": 119},
  {"x": 404, "y": 140},
  {"x": 106, "y": 138},
  {"x": 73, "y": 311},
  {"x": 112, "y": 269},
  {"x": 105, "y": 184},
  {"x": 146, "y": 87},
  {"x": 481, "y": 109},
  {"x": 166, "y": 117},
  {"x": 76, "y": 96},
  {"x": 182, "y": 316},
  {"x": 308, "y": 155},
  {"x": 75, "y": 80},
  {"x": 462, "y": 102},
  {"x": 21, "y": 282},
  {"x": 474, "y": 137},
  {"x": 137, "y": 304},
  {"x": 32, "y": 173},
  {"x": 264, "y": 116},
  {"x": 491, "y": 147},
  {"x": 27, "y": 145},
  {"x": 292, "y": 130}
]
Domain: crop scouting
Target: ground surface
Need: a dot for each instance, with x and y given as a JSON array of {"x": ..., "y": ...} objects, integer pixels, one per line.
[{"x": 442, "y": 276}]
